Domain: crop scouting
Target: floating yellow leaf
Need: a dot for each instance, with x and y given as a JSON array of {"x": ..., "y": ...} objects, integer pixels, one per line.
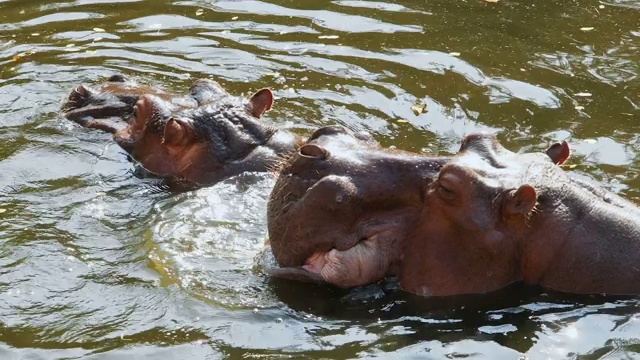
[
  {"x": 419, "y": 108},
  {"x": 23, "y": 55}
]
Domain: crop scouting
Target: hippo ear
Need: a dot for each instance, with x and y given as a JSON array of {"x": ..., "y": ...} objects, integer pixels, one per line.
[
  {"x": 559, "y": 152},
  {"x": 260, "y": 102},
  {"x": 178, "y": 132},
  {"x": 83, "y": 90},
  {"x": 521, "y": 201}
]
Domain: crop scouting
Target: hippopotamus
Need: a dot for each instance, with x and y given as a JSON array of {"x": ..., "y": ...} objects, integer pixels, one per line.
[
  {"x": 342, "y": 206},
  {"x": 198, "y": 138},
  {"x": 347, "y": 212}
]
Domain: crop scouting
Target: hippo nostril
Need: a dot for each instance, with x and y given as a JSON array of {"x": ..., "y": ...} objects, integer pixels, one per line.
[
  {"x": 328, "y": 130},
  {"x": 313, "y": 151}
]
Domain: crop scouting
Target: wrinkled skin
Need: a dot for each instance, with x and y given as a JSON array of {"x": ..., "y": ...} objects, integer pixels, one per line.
[
  {"x": 199, "y": 138},
  {"x": 494, "y": 217},
  {"x": 343, "y": 207}
]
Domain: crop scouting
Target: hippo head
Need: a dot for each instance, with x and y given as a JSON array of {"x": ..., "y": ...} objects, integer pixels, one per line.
[
  {"x": 195, "y": 142},
  {"x": 114, "y": 98},
  {"x": 469, "y": 238},
  {"x": 342, "y": 205}
]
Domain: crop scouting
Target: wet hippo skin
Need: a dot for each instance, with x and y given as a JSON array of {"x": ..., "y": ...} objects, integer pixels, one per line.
[
  {"x": 494, "y": 217},
  {"x": 347, "y": 212},
  {"x": 199, "y": 138},
  {"x": 342, "y": 205}
]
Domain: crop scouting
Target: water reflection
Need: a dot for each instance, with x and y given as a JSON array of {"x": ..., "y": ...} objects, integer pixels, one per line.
[{"x": 95, "y": 262}]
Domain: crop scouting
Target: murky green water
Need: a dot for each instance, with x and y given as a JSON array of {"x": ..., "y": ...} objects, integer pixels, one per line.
[{"x": 96, "y": 263}]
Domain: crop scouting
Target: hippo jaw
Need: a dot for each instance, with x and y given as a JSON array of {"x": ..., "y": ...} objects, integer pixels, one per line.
[{"x": 341, "y": 206}]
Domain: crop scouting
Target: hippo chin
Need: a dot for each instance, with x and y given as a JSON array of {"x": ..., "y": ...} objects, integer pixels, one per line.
[
  {"x": 342, "y": 207},
  {"x": 199, "y": 138},
  {"x": 347, "y": 212}
]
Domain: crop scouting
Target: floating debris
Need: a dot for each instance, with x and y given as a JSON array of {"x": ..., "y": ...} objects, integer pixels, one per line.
[
  {"x": 97, "y": 29},
  {"x": 579, "y": 107},
  {"x": 587, "y": 28},
  {"x": 2, "y": 211},
  {"x": 199, "y": 12},
  {"x": 583, "y": 94},
  {"x": 402, "y": 121},
  {"x": 23, "y": 55},
  {"x": 328, "y": 37},
  {"x": 491, "y": 1},
  {"x": 419, "y": 108},
  {"x": 454, "y": 53},
  {"x": 234, "y": 18}
]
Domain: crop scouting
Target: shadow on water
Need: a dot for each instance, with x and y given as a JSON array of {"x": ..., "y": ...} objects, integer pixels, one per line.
[{"x": 96, "y": 262}]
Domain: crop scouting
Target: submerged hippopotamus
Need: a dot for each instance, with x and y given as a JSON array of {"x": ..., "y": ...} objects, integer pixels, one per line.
[
  {"x": 199, "y": 138},
  {"x": 347, "y": 212},
  {"x": 342, "y": 207}
]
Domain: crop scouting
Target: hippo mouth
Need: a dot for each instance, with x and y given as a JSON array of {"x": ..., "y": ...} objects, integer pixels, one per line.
[{"x": 366, "y": 262}]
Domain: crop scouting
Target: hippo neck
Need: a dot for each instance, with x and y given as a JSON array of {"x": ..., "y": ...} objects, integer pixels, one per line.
[{"x": 595, "y": 234}]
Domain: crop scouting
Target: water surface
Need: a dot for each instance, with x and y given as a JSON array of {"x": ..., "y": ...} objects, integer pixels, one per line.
[{"x": 96, "y": 263}]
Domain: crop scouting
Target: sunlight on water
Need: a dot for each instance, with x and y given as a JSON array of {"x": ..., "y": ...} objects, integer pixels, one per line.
[{"x": 98, "y": 263}]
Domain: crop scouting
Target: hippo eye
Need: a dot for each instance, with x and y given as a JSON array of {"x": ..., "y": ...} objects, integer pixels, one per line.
[{"x": 445, "y": 191}]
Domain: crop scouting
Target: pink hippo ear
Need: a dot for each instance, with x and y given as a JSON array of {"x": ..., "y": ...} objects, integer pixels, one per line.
[
  {"x": 559, "y": 152},
  {"x": 521, "y": 201},
  {"x": 260, "y": 102},
  {"x": 178, "y": 132}
]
